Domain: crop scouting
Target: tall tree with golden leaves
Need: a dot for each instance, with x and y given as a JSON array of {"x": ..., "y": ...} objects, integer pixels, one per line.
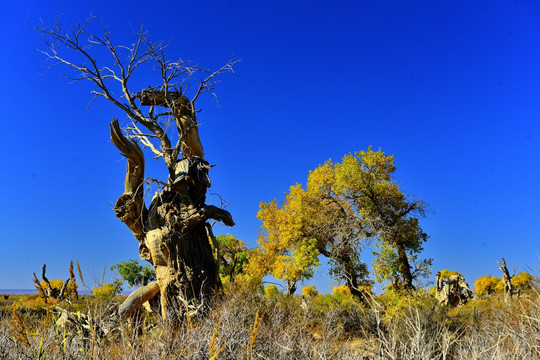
[{"x": 343, "y": 206}]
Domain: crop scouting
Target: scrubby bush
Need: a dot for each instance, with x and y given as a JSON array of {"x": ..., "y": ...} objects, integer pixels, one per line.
[
  {"x": 396, "y": 303},
  {"x": 486, "y": 285},
  {"x": 341, "y": 290},
  {"x": 309, "y": 291},
  {"x": 107, "y": 291},
  {"x": 246, "y": 324},
  {"x": 34, "y": 302},
  {"x": 57, "y": 286},
  {"x": 523, "y": 280},
  {"x": 271, "y": 291}
]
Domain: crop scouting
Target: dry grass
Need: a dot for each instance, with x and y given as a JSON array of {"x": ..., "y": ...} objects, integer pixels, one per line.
[{"x": 247, "y": 325}]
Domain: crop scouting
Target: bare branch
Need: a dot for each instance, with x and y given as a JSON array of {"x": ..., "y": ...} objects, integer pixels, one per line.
[
  {"x": 111, "y": 81},
  {"x": 143, "y": 138},
  {"x": 206, "y": 85}
]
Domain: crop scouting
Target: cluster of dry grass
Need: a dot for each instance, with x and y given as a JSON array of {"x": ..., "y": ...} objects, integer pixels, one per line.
[{"x": 247, "y": 325}]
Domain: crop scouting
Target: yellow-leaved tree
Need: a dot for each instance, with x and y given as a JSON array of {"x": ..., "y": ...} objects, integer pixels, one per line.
[{"x": 342, "y": 206}]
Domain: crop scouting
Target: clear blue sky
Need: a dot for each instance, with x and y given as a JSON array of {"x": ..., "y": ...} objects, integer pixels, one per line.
[{"x": 451, "y": 88}]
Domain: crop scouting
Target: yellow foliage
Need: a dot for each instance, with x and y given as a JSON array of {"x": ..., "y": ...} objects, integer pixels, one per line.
[
  {"x": 522, "y": 280},
  {"x": 243, "y": 282},
  {"x": 341, "y": 290},
  {"x": 486, "y": 285},
  {"x": 338, "y": 202},
  {"x": 106, "y": 292},
  {"x": 34, "y": 302},
  {"x": 309, "y": 291},
  {"x": 499, "y": 287},
  {"x": 447, "y": 274},
  {"x": 398, "y": 303},
  {"x": 271, "y": 290},
  {"x": 57, "y": 285}
]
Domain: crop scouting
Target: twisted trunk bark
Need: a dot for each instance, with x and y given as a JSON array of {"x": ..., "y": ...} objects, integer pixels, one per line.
[{"x": 173, "y": 233}]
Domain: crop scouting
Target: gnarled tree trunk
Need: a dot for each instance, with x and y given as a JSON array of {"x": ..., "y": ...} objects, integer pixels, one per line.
[
  {"x": 509, "y": 290},
  {"x": 173, "y": 233},
  {"x": 453, "y": 291}
]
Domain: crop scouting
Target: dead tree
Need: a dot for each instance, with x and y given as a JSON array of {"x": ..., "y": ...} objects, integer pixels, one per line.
[
  {"x": 172, "y": 232},
  {"x": 453, "y": 291},
  {"x": 48, "y": 291},
  {"x": 509, "y": 290}
]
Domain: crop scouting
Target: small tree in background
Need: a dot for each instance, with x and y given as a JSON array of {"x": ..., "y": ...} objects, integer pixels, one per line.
[
  {"x": 133, "y": 273},
  {"x": 342, "y": 207},
  {"x": 487, "y": 285},
  {"x": 233, "y": 256},
  {"x": 271, "y": 290},
  {"x": 341, "y": 290},
  {"x": 107, "y": 291},
  {"x": 523, "y": 280},
  {"x": 56, "y": 289}
]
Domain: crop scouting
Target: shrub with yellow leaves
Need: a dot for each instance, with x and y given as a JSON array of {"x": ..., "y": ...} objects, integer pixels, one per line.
[
  {"x": 341, "y": 290},
  {"x": 106, "y": 292},
  {"x": 486, "y": 285},
  {"x": 309, "y": 291},
  {"x": 523, "y": 280},
  {"x": 271, "y": 290}
]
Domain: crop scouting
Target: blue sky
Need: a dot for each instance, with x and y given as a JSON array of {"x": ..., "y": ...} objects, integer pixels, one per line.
[{"x": 452, "y": 89}]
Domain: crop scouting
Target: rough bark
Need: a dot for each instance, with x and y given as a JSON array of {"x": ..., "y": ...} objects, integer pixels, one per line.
[
  {"x": 291, "y": 287},
  {"x": 352, "y": 283},
  {"x": 136, "y": 299},
  {"x": 173, "y": 232},
  {"x": 352, "y": 276},
  {"x": 507, "y": 281},
  {"x": 178, "y": 246},
  {"x": 184, "y": 114},
  {"x": 49, "y": 292},
  {"x": 405, "y": 268},
  {"x": 453, "y": 291}
]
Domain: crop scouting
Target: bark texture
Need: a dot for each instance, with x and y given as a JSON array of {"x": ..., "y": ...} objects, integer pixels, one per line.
[
  {"x": 173, "y": 232},
  {"x": 47, "y": 291},
  {"x": 453, "y": 291},
  {"x": 509, "y": 290}
]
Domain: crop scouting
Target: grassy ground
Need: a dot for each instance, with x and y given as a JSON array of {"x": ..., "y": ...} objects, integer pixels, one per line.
[{"x": 247, "y": 325}]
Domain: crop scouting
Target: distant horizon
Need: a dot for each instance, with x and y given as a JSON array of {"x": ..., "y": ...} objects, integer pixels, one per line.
[
  {"x": 12, "y": 291},
  {"x": 34, "y": 291}
]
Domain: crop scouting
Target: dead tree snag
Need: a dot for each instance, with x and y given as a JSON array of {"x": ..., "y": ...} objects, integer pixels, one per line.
[
  {"x": 509, "y": 290},
  {"x": 46, "y": 290},
  {"x": 453, "y": 291},
  {"x": 173, "y": 233}
]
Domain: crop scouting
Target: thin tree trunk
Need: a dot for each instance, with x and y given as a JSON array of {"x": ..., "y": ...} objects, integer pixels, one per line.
[
  {"x": 291, "y": 287},
  {"x": 405, "y": 267},
  {"x": 352, "y": 277}
]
